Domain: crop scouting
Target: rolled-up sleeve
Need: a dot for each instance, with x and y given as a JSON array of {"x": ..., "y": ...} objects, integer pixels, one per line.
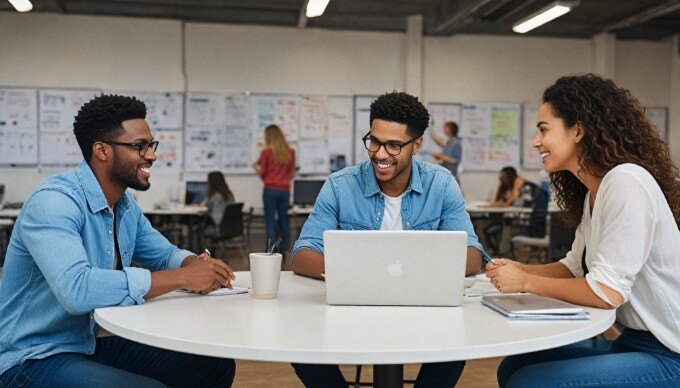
[
  {"x": 324, "y": 216},
  {"x": 628, "y": 219},
  {"x": 454, "y": 216},
  {"x": 50, "y": 227}
]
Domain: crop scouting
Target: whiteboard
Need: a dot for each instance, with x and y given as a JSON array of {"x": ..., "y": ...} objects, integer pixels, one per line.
[
  {"x": 659, "y": 118},
  {"x": 202, "y": 148},
  {"x": 362, "y": 124},
  {"x": 312, "y": 117},
  {"x": 339, "y": 115},
  {"x": 18, "y": 126},
  {"x": 313, "y": 156},
  {"x": 531, "y": 158},
  {"x": 163, "y": 109},
  {"x": 490, "y": 136},
  {"x": 57, "y": 111},
  {"x": 440, "y": 113},
  {"x": 281, "y": 110},
  {"x": 169, "y": 155}
]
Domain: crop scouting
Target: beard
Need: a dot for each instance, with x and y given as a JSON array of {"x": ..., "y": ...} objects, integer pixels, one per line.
[{"x": 128, "y": 175}]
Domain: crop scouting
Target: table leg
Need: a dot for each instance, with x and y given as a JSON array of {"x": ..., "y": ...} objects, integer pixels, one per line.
[{"x": 388, "y": 376}]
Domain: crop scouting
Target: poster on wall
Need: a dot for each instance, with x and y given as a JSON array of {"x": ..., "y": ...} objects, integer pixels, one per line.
[
  {"x": 313, "y": 156},
  {"x": 339, "y": 115},
  {"x": 237, "y": 110},
  {"x": 490, "y": 136},
  {"x": 170, "y": 149},
  {"x": 18, "y": 126},
  {"x": 276, "y": 109},
  {"x": 201, "y": 148},
  {"x": 362, "y": 114},
  {"x": 163, "y": 109},
  {"x": 531, "y": 158},
  {"x": 312, "y": 117}
]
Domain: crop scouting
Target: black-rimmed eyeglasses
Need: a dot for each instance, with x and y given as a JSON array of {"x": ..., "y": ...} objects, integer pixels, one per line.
[
  {"x": 142, "y": 147},
  {"x": 393, "y": 148}
]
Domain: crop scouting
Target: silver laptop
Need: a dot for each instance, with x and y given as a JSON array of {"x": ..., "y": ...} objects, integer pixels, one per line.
[{"x": 395, "y": 268}]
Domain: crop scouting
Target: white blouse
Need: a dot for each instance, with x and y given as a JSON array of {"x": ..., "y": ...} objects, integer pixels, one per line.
[{"x": 633, "y": 247}]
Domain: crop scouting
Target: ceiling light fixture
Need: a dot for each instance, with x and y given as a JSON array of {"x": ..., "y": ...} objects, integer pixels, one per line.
[
  {"x": 542, "y": 16},
  {"x": 316, "y": 7},
  {"x": 22, "y": 5}
]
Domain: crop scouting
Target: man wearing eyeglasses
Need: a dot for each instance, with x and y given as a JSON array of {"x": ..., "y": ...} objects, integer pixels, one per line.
[
  {"x": 71, "y": 252},
  {"x": 390, "y": 191}
]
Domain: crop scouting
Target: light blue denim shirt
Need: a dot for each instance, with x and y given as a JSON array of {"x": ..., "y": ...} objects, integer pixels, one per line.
[
  {"x": 60, "y": 266},
  {"x": 351, "y": 200}
]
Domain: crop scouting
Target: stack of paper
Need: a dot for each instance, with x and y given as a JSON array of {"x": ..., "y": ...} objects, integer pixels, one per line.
[{"x": 529, "y": 307}]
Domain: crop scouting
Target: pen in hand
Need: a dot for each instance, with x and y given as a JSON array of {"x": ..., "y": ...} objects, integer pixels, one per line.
[{"x": 487, "y": 258}]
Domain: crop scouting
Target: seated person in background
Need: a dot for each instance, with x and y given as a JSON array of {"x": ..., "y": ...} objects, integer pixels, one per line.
[
  {"x": 219, "y": 197},
  {"x": 616, "y": 181},
  {"x": 513, "y": 190},
  {"x": 450, "y": 157},
  {"x": 391, "y": 191},
  {"x": 70, "y": 253}
]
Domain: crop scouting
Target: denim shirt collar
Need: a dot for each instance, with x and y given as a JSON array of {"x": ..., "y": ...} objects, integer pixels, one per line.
[
  {"x": 94, "y": 194},
  {"x": 371, "y": 182}
]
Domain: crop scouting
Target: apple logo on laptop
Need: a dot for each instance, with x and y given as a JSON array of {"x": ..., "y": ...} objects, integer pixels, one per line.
[{"x": 395, "y": 269}]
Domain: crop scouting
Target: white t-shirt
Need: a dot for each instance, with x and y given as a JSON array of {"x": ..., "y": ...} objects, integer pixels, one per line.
[
  {"x": 633, "y": 247},
  {"x": 392, "y": 217}
]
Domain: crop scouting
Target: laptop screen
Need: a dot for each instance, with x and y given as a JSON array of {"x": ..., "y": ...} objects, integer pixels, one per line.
[
  {"x": 195, "y": 193},
  {"x": 306, "y": 191}
]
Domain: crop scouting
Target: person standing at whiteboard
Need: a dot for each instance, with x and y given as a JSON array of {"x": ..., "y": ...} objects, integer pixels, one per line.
[
  {"x": 450, "y": 157},
  {"x": 276, "y": 167}
]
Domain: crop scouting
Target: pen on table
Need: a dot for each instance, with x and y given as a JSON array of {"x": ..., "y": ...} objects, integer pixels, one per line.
[{"x": 487, "y": 258}]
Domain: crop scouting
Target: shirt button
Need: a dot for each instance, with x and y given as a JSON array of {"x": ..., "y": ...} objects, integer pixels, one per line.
[
  {"x": 408, "y": 223},
  {"x": 108, "y": 253},
  {"x": 110, "y": 232}
]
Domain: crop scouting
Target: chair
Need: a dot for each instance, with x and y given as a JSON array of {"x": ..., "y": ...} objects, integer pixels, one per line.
[
  {"x": 535, "y": 223},
  {"x": 357, "y": 380},
  {"x": 230, "y": 231},
  {"x": 554, "y": 245}
]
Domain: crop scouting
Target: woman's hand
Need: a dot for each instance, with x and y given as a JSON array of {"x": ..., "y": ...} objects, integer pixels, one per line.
[{"x": 507, "y": 275}]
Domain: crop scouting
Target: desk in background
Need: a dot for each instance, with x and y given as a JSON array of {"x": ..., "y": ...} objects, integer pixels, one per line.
[
  {"x": 300, "y": 327},
  {"x": 191, "y": 213}
]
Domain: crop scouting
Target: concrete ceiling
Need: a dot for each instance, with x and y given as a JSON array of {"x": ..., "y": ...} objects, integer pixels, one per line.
[{"x": 628, "y": 19}]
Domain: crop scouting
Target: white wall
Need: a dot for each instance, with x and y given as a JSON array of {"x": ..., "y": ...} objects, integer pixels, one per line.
[{"x": 49, "y": 50}]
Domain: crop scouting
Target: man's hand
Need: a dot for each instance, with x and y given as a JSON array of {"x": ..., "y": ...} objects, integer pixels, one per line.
[{"x": 207, "y": 274}]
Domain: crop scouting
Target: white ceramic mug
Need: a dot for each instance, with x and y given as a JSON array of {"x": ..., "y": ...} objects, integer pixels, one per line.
[{"x": 265, "y": 272}]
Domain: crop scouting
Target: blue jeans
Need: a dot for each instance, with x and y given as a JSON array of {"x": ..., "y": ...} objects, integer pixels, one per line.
[
  {"x": 635, "y": 359},
  {"x": 277, "y": 201},
  {"x": 117, "y": 363},
  {"x": 434, "y": 375}
]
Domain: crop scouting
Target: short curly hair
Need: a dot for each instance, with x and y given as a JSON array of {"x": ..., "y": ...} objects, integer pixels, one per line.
[
  {"x": 102, "y": 119},
  {"x": 403, "y": 108}
]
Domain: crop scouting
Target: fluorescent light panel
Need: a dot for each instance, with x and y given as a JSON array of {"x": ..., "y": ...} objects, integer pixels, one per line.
[
  {"x": 22, "y": 5},
  {"x": 551, "y": 12},
  {"x": 316, "y": 7}
]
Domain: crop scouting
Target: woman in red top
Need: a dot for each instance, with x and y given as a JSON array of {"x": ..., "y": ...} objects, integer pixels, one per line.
[{"x": 276, "y": 167}]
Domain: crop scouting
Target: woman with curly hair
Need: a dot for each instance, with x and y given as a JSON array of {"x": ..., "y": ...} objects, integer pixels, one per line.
[{"x": 615, "y": 180}]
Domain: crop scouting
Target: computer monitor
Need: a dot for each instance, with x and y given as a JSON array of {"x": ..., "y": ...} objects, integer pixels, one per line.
[
  {"x": 305, "y": 191},
  {"x": 196, "y": 193}
]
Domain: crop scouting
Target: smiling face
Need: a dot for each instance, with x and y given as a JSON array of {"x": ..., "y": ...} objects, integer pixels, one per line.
[
  {"x": 557, "y": 144},
  {"x": 128, "y": 168},
  {"x": 389, "y": 169}
]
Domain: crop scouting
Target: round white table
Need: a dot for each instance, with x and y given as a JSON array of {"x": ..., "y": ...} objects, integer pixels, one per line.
[{"x": 300, "y": 327}]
